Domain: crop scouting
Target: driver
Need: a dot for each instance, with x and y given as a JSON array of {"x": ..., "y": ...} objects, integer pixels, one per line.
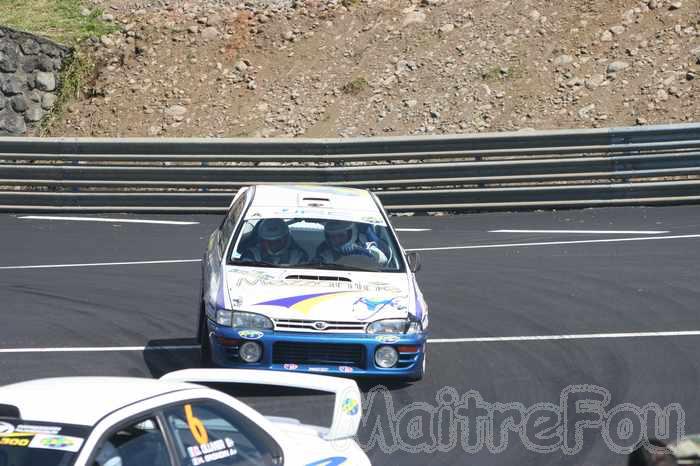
[
  {"x": 343, "y": 239},
  {"x": 275, "y": 245}
]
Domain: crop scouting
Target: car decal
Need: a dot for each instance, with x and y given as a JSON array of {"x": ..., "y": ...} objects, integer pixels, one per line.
[
  {"x": 304, "y": 303},
  {"x": 250, "y": 334},
  {"x": 332, "y": 461}
]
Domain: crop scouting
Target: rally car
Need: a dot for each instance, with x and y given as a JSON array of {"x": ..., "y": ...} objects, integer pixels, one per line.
[
  {"x": 311, "y": 279},
  {"x": 112, "y": 421}
]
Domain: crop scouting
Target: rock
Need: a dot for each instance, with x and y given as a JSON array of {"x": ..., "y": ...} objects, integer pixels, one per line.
[
  {"x": 12, "y": 86},
  {"x": 413, "y": 17},
  {"x": 48, "y": 101},
  {"x": 3, "y": 101},
  {"x": 595, "y": 81},
  {"x": 240, "y": 66},
  {"x": 210, "y": 33},
  {"x": 696, "y": 54},
  {"x": 29, "y": 46},
  {"x": 214, "y": 20},
  {"x": 641, "y": 121},
  {"x": 410, "y": 103},
  {"x": 535, "y": 15},
  {"x": 617, "y": 66},
  {"x": 107, "y": 17},
  {"x": 33, "y": 114},
  {"x": 193, "y": 29},
  {"x": 11, "y": 123},
  {"x": 45, "y": 81},
  {"x": 106, "y": 41},
  {"x": 84, "y": 12},
  {"x": 9, "y": 58},
  {"x": 251, "y": 85},
  {"x": 446, "y": 28},
  {"x": 288, "y": 35},
  {"x": 653, "y": 4},
  {"x": 176, "y": 112},
  {"x": 19, "y": 103},
  {"x": 675, "y": 6},
  {"x": 617, "y": 30},
  {"x": 585, "y": 112},
  {"x": 563, "y": 60},
  {"x": 607, "y": 36}
]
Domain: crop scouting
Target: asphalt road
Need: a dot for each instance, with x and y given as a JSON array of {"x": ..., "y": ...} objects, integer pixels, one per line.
[{"x": 499, "y": 287}]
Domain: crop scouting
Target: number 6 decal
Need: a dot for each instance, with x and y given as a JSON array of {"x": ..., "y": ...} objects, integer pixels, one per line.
[{"x": 199, "y": 432}]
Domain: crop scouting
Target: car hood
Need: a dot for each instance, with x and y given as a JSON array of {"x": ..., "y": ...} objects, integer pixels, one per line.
[{"x": 319, "y": 295}]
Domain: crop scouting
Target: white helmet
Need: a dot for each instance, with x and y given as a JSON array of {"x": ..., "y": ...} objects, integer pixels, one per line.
[
  {"x": 341, "y": 235},
  {"x": 274, "y": 236}
]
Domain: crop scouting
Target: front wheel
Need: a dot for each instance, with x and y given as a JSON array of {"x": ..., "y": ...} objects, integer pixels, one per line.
[{"x": 203, "y": 337}]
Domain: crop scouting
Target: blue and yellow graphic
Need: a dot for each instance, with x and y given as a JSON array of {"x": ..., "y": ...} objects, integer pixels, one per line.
[{"x": 306, "y": 302}]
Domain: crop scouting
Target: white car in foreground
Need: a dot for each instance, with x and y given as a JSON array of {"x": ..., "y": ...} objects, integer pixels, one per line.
[{"x": 111, "y": 421}]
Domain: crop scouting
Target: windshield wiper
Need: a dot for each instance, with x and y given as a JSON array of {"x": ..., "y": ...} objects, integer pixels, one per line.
[
  {"x": 336, "y": 267},
  {"x": 256, "y": 264}
]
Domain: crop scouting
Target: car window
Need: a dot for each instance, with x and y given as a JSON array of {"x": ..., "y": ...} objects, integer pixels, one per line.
[
  {"x": 230, "y": 221},
  {"x": 316, "y": 243},
  {"x": 138, "y": 444},
  {"x": 211, "y": 433}
]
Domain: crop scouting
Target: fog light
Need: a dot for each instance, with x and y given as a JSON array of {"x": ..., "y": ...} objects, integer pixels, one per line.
[
  {"x": 250, "y": 351},
  {"x": 386, "y": 356}
]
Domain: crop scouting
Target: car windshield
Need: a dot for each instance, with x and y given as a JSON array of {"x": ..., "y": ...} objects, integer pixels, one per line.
[
  {"x": 316, "y": 243},
  {"x": 28, "y": 443}
]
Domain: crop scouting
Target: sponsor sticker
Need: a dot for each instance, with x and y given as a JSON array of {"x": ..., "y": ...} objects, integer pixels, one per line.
[
  {"x": 387, "y": 338},
  {"x": 6, "y": 428},
  {"x": 291, "y": 367},
  {"x": 212, "y": 451},
  {"x": 318, "y": 369},
  {"x": 56, "y": 442},
  {"x": 250, "y": 334},
  {"x": 350, "y": 406},
  {"x": 345, "y": 369}
]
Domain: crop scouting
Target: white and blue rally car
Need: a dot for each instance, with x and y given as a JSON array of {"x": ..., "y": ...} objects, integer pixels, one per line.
[{"x": 311, "y": 279}]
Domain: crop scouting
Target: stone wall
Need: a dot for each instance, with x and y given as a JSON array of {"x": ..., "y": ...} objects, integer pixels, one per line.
[{"x": 29, "y": 79}]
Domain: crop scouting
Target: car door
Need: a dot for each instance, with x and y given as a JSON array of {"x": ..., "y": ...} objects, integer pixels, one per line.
[{"x": 212, "y": 433}]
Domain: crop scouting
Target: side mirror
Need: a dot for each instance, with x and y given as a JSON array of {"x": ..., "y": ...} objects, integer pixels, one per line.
[{"x": 413, "y": 261}]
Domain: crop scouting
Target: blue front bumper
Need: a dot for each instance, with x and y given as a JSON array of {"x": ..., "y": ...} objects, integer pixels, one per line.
[{"x": 328, "y": 353}]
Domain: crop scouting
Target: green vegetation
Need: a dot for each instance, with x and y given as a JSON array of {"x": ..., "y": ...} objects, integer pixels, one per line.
[
  {"x": 59, "y": 20},
  {"x": 501, "y": 72},
  {"x": 75, "y": 75},
  {"x": 356, "y": 86}
]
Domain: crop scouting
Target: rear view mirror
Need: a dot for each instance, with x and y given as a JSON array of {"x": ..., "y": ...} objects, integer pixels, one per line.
[{"x": 413, "y": 261}]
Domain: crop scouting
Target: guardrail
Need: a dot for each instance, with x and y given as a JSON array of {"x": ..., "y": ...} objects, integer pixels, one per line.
[{"x": 523, "y": 170}]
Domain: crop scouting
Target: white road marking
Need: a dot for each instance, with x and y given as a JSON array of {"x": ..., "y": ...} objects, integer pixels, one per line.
[
  {"x": 552, "y": 243},
  {"x": 98, "y": 349},
  {"x": 445, "y": 248},
  {"x": 97, "y": 264},
  {"x": 412, "y": 229},
  {"x": 586, "y": 232},
  {"x": 106, "y": 220},
  {"x": 580, "y": 336}
]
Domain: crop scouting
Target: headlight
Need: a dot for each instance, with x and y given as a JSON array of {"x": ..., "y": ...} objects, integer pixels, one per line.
[
  {"x": 394, "y": 326},
  {"x": 223, "y": 317},
  {"x": 250, "y": 320},
  {"x": 386, "y": 357}
]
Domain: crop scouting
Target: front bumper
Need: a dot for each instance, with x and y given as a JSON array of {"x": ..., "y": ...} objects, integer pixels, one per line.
[{"x": 327, "y": 353}]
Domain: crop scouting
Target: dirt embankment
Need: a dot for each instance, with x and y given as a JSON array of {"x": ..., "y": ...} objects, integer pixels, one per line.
[{"x": 350, "y": 68}]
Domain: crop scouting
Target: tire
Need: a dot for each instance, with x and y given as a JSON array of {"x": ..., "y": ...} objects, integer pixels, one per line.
[{"x": 205, "y": 359}]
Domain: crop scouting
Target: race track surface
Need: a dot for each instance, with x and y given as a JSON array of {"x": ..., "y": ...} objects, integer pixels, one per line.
[{"x": 502, "y": 285}]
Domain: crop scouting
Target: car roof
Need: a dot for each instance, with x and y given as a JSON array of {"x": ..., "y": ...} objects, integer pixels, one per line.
[
  {"x": 82, "y": 400},
  {"x": 293, "y": 196}
]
